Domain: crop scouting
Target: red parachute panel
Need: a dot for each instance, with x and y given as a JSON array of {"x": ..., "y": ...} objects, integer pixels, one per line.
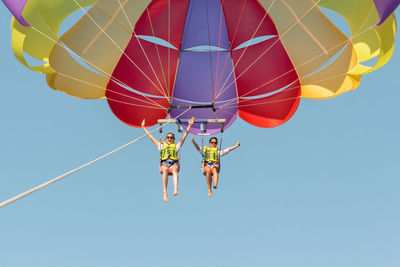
[
  {"x": 147, "y": 70},
  {"x": 271, "y": 111},
  {"x": 141, "y": 69},
  {"x": 164, "y": 19},
  {"x": 264, "y": 69},
  {"x": 246, "y": 19}
]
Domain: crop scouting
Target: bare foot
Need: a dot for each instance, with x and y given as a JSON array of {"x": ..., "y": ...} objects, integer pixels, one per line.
[
  {"x": 215, "y": 186},
  {"x": 165, "y": 198},
  {"x": 175, "y": 192},
  {"x": 209, "y": 193}
]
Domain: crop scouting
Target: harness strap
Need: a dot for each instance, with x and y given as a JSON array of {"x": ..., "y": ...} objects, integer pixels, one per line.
[{"x": 220, "y": 147}]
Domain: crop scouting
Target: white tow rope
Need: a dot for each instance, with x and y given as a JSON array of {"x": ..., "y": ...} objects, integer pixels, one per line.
[{"x": 11, "y": 200}]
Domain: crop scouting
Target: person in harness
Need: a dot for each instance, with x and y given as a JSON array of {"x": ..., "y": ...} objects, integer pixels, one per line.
[
  {"x": 169, "y": 159},
  {"x": 211, "y": 160}
]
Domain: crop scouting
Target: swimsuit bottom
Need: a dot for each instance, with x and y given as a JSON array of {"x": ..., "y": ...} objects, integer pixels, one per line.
[
  {"x": 169, "y": 163},
  {"x": 211, "y": 165}
]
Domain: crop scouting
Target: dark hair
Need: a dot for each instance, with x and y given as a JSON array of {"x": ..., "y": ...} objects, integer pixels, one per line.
[
  {"x": 216, "y": 140},
  {"x": 169, "y": 134}
]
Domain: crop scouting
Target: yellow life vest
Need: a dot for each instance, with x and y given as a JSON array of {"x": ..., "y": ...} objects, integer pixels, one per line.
[
  {"x": 211, "y": 154},
  {"x": 169, "y": 151}
]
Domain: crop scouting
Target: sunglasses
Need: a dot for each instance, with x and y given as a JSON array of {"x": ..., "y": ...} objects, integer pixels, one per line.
[
  {"x": 213, "y": 142},
  {"x": 169, "y": 137}
]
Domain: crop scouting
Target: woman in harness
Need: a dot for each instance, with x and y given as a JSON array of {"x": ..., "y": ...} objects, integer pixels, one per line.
[
  {"x": 211, "y": 155},
  {"x": 169, "y": 160}
]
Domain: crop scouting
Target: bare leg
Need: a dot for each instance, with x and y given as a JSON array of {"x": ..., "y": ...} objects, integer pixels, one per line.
[
  {"x": 175, "y": 178},
  {"x": 215, "y": 177},
  {"x": 209, "y": 179},
  {"x": 165, "y": 182}
]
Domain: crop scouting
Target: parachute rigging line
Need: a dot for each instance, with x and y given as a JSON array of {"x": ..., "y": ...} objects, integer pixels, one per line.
[
  {"x": 234, "y": 36},
  {"x": 209, "y": 51},
  {"x": 141, "y": 46},
  {"x": 230, "y": 48},
  {"x": 151, "y": 105},
  {"x": 227, "y": 105},
  {"x": 223, "y": 89},
  {"x": 96, "y": 67},
  {"x": 123, "y": 52},
  {"x": 158, "y": 53},
  {"x": 296, "y": 68},
  {"x": 219, "y": 47}
]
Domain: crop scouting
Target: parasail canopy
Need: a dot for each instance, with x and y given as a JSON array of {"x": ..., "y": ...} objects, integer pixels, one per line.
[{"x": 219, "y": 58}]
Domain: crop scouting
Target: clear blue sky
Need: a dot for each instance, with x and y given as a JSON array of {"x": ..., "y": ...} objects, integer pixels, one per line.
[{"x": 320, "y": 191}]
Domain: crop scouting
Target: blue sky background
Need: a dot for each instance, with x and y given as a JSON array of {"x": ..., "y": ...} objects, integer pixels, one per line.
[{"x": 320, "y": 191}]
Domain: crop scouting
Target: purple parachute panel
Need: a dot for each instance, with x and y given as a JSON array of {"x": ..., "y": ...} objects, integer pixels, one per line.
[
  {"x": 385, "y": 8},
  {"x": 197, "y": 33},
  {"x": 16, "y": 7},
  {"x": 195, "y": 83},
  {"x": 205, "y": 72}
]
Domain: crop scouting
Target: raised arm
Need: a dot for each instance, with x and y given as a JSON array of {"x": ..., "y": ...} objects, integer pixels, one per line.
[
  {"x": 195, "y": 144},
  {"x": 234, "y": 147},
  {"x": 190, "y": 122},
  {"x": 154, "y": 140}
]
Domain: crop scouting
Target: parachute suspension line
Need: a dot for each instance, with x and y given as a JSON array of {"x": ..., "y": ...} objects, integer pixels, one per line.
[
  {"x": 189, "y": 16},
  {"x": 158, "y": 55},
  {"x": 119, "y": 48},
  {"x": 160, "y": 131},
  {"x": 298, "y": 21},
  {"x": 219, "y": 47},
  {"x": 24, "y": 194},
  {"x": 227, "y": 105},
  {"x": 180, "y": 132},
  {"x": 209, "y": 50},
  {"x": 234, "y": 36},
  {"x": 152, "y": 105},
  {"x": 96, "y": 67},
  {"x": 140, "y": 43},
  {"x": 299, "y": 66},
  {"x": 169, "y": 48},
  {"x": 220, "y": 146},
  {"x": 230, "y": 105},
  {"x": 202, "y": 154},
  {"x": 233, "y": 102},
  {"x": 268, "y": 48},
  {"x": 126, "y": 15},
  {"x": 97, "y": 36},
  {"x": 305, "y": 28},
  {"x": 239, "y": 20}
]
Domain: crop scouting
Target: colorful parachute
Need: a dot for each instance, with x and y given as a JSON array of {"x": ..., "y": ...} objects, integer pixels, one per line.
[{"x": 223, "y": 58}]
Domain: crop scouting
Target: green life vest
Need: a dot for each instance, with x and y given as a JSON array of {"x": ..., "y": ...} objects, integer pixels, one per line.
[
  {"x": 169, "y": 151},
  {"x": 210, "y": 154}
]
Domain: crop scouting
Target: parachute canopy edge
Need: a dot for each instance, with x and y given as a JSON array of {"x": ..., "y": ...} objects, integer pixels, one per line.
[
  {"x": 16, "y": 7},
  {"x": 385, "y": 9}
]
